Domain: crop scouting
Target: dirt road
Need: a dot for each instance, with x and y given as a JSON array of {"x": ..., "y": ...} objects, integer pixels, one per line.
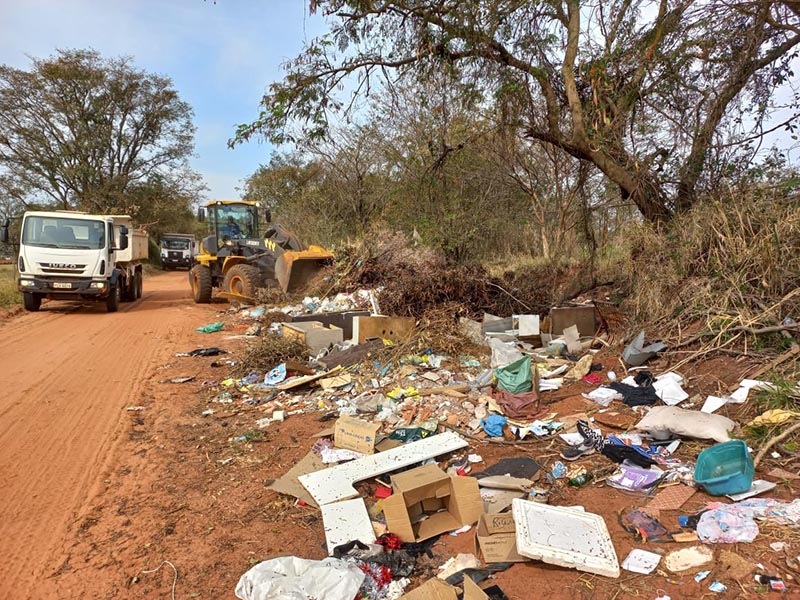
[{"x": 67, "y": 374}]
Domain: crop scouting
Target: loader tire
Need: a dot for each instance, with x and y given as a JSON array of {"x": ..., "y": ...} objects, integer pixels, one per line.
[
  {"x": 200, "y": 279},
  {"x": 242, "y": 280}
]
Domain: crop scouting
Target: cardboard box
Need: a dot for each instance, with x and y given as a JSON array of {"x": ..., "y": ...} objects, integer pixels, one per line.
[
  {"x": 447, "y": 503},
  {"x": 436, "y": 589},
  {"x": 354, "y": 434},
  {"x": 496, "y": 539}
]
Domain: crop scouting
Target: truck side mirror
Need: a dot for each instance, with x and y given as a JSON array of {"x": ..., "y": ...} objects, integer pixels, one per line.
[
  {"x": 123, "y": 238},
  {"x": 4, "y": 233},
  {"x": 201, "y": 214},
  {"x": 267, "y": 215}
]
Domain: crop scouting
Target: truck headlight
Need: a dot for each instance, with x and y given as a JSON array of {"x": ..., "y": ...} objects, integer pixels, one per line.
[
  {"x": 98, "y": 284},
  {"x": 26, "y": 283}
]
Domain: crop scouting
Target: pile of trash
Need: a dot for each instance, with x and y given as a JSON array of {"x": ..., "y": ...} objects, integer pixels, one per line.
[{"x": 398, "y": 467}]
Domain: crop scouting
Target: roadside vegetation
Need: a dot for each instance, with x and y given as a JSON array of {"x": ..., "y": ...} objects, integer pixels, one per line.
[{"x": 9, "y": 296}]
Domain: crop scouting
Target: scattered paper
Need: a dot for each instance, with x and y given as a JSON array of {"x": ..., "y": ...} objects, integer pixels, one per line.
[
  {"x": 713, "y": 403},
  {"x": 759, "y": 487}
]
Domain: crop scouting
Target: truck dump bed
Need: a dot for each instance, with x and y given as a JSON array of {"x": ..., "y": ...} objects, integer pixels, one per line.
[{"x": 137, "y": 240}]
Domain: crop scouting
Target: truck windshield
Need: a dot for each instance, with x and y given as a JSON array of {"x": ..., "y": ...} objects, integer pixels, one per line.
[
  {"x": 175, "y": 244},
  {"x": 63, "y": 232},
  {"x": 235, "y": 221}
]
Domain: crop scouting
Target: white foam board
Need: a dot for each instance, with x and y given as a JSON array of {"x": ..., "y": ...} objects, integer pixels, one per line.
[
  {"x": 336, "y": 483},
  {"x": 565, "y": 537},
  {"x": 346, "y": 521}
]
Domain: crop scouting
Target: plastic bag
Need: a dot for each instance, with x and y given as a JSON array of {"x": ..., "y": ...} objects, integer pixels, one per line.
[
  {"x": 292, "y": 578},
  {"x": 517, "y": 377}
]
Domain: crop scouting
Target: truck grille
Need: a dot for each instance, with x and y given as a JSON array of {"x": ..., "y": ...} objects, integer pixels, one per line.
[{"x": 61, "y": 268}]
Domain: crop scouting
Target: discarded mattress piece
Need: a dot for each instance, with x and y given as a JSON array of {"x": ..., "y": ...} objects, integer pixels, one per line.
[
  {"x": 292, "y": 577},
  {"x": 565, "y": 537},
  {"x": 346, "y": 521},
  {"x": 662, "y": 421},
  {"x": 336, "y": 483}
]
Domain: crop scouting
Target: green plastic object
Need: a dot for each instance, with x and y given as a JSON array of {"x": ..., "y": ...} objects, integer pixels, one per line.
[
  {"x": 725, "y": 469},
  {"x": 212, "y": 328},
  {"x": 516, "y": 378}
]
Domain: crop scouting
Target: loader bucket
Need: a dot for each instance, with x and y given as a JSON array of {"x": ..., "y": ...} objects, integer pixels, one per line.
[{"x": 295, "y": 268}]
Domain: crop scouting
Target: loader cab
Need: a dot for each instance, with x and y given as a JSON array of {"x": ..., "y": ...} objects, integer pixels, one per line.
[{"x": 231, "y": 221}]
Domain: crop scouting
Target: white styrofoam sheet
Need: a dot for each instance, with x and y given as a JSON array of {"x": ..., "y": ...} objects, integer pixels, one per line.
[
  {"x": 346, "y": 521},
  {"x": 336, "y": 483},
  {"x": 565, "y": 537}
]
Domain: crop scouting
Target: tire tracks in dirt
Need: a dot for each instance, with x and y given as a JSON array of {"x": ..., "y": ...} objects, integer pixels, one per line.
[{"x": 66, "y": 374}]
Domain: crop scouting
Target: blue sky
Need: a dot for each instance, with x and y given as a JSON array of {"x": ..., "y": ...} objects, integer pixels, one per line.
[{"x": 220, "y": 56}]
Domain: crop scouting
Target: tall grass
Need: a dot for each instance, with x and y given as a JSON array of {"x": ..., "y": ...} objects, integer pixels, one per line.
[
  {"x": 729, "y": 261},
  {"x": 9, "y": 296}
]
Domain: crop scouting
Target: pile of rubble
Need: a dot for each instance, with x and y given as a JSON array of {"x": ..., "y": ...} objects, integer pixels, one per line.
[{"x": 400, "y": 463}]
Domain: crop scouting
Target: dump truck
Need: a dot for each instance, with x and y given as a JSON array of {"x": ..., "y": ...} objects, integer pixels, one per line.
[
  {"x": 237, "y": 260},
  {"x": 177, "y": 250},
  {"x": 70, "y": 255}
]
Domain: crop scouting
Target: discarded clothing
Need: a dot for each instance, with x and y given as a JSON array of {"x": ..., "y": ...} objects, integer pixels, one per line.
[
  {"x": 206, "y": 352},
  {"x": 635, "y": 396},
  {"x": 211, "y": 328},
  {"x": 493, "y": 425},
  {"x": 518, "y": 406},
  {"x": 732, "y": 523}
]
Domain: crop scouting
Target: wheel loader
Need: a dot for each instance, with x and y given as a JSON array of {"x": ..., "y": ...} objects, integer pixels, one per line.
[{"x": 237, "y": 261}]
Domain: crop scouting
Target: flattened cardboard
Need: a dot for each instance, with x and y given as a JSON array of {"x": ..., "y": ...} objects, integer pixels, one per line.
[
  {"x": 289, "y": 484},
  {"x": 472, "y": 591},
  {"x": 448, "y": 502},
  {"x": 496, "y": 539},
  {"x": 351, "y": 433},
  {"x": 584, "y": 317},
  {"x": 433, "y": 589}
]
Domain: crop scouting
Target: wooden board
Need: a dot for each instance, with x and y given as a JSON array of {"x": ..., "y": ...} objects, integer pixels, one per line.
[{"x": 396, "y": 329}]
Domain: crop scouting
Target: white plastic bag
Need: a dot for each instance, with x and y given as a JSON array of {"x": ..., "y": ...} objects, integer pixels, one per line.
[{"x": 292, "y": 578}]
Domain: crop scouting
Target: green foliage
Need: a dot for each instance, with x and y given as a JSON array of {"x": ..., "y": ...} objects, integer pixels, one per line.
[
  {"x": 634, "y": 88},
  {"x": 784, "y": 395},
  {"x": 79, "y": 131}
]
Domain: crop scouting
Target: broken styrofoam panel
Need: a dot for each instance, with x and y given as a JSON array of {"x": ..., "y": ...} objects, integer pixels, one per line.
[
  {"x": 345, "y": 522},
  {"x": 528, "y": 325},
  {"x": 565, "y": 537},
  {"x": 641, "y": 561},
  {"x": 336, "y": 483}
]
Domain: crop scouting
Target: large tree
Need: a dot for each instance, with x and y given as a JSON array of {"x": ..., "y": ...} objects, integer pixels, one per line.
[
  {"x": 78, "y": 130},
  {"x": 648, "y": 91}
]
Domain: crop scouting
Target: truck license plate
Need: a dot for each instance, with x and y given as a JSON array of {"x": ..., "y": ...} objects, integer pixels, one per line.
[{"x": 62, "y": 286}]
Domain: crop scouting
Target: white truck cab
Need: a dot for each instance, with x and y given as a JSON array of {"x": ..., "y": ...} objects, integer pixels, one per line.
[
  {"x": 66, "y": 255},
  {"x": 177, "y": 250}
]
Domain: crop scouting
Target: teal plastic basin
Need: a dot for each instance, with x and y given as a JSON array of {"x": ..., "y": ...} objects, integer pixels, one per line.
[{"x": 725, "y": 469}]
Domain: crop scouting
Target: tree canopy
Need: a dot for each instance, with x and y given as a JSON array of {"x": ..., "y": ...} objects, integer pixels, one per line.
[
  {"x": 659, "y": 95},
  {"x": 80, "y": 131}
]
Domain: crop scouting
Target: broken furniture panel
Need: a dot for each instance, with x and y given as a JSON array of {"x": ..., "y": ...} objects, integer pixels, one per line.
[
  {"x": 346, "y": 521},
  {"x": 336, "y": 483},
  {"x": 313, "y": 334},
  {"x": 396, "y": 329}
]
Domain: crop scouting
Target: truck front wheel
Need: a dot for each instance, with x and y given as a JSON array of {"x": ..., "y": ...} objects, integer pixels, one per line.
[
  {"x": 32, "y": 302},
  {"x": 114, "y": 297},
  {"x": 200, "y": 279},
  {"x": 137, "y": 280}
]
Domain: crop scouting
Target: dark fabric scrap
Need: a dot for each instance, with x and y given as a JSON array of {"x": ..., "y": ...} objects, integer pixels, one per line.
[
  {"x": 620, "y": 454},
  {"x": 635, "y": 396},
  {"x": 518, "y": 406},
  {"x": 477, "y": 575},
  {"x": 522, "y": 467},
  {"x": 644, "y": 378}
]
